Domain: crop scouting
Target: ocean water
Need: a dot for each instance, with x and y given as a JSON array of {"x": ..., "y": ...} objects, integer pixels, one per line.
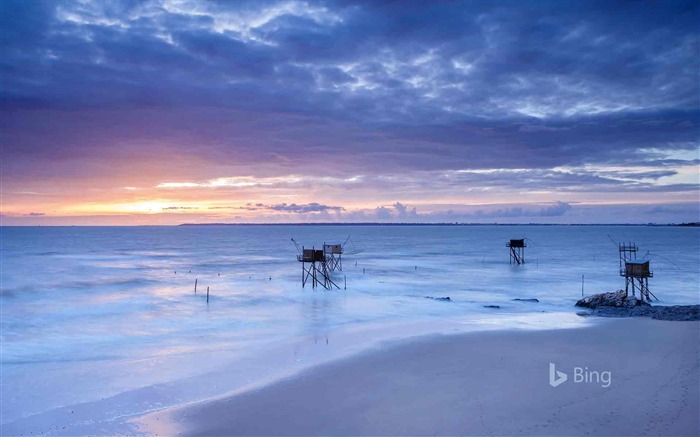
[{"x": 104, "y": 321}]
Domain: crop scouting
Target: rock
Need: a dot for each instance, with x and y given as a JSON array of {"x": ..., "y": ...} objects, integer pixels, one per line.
[
  {"x": 493, "y": 306},
  {"x": 677, "y": 312},
  {"x": 527, "y": 300},
  {"x": 672, "y": 313},
  {"x": 618, "y": 305},
  {"x": 446, "y": 298},
  {"x": 616, "y": 299}
]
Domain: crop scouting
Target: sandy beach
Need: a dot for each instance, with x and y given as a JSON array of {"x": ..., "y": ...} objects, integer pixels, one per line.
[{"x": 624, "y": 377}]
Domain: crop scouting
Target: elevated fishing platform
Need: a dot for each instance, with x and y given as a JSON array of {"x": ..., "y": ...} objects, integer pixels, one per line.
[
  {"x": 635, "y": 271},
  {"x": 334, "y": 256},
  {"x": 517, "y": 251},
  {"x": 315, "y": 267}
]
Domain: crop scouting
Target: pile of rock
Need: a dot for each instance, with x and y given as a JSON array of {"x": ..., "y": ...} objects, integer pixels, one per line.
[
  {"x": 618, "y": 304},
  {"x": 616, "y": 299}
]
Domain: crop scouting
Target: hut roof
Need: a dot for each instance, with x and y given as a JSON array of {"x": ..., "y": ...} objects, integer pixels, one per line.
[{"x": 637, "y": 261}]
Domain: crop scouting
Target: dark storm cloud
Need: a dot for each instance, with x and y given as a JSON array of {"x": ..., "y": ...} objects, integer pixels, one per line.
[
  {"x": 412, "y": 59},
  {"x": 379, "y": 86}
]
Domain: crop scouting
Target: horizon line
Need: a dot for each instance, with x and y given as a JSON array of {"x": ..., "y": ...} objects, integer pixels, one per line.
[{"x": 683, "y": 224}]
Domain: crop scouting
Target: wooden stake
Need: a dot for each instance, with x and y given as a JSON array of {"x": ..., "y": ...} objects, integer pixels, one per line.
[
  {"x": 345, "y": 278},
  {"x": 195, "y": 286},
  {"x": 207, "y": 294},
  {"x": 581, "y": 285}
]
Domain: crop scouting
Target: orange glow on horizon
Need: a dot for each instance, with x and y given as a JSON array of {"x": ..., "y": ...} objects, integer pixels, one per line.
[{"x": 159, "y": 199}]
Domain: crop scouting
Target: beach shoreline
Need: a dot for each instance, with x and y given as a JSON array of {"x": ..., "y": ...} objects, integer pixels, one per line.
[
  {"x": 486, "y": 383},
  {"x": 279, "y": 361}
]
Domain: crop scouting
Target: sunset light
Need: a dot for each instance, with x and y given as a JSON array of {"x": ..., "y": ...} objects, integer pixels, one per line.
[
  {"x": 349, "y": 218},
  {"x": 223, "y": 107}
]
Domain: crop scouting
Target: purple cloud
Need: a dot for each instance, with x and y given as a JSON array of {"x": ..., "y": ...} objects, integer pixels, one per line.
[
  {"x": 312, "y": 207},
  {"x": 393, "y": 91}
]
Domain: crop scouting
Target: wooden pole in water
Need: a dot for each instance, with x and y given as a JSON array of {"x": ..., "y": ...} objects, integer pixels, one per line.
[
  {"x": 195, "y": 286},
  {"x": 207, "y": 294},
  {"x": 303, "y": 269},
  {"x": 345, "y": 278},
  {"x": 582, "y": 285}
]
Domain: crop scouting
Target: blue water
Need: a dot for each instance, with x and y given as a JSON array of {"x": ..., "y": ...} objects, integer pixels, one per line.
[{"x": 92, "y": 312}]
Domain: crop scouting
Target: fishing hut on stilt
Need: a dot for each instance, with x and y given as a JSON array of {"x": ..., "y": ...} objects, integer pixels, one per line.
[
  {"x": 334, "y": 256},
  {"x": 636, "y": 272},
  {"x": 517, "y": 251},
  {"x": 314, "y": 268}
]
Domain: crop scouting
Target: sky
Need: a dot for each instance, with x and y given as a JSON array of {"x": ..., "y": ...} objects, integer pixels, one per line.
[{"x": 176, "y": 111}]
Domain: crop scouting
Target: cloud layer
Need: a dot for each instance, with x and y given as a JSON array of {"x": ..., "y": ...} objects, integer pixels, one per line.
[{"x": 356, "y": 105}]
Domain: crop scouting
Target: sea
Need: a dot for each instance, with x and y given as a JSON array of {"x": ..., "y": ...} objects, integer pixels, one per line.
[{"x": 102, "y": 324}]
